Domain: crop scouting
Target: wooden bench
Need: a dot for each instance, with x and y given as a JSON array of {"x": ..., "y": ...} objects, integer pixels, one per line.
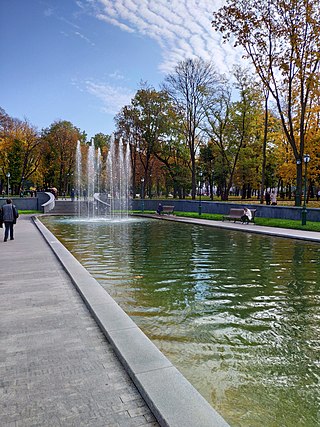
[
  {"x": 236, "y": 214},
  {"x": 167, "y": 210}
]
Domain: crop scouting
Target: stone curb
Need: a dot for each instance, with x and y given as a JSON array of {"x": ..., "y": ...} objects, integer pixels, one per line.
[
  {"x": 310, "y": 236},
  {"x": 172, "y": 399}
]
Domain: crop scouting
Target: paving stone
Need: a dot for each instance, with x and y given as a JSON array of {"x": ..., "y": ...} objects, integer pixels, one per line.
[{"x": 56, "y": 367}]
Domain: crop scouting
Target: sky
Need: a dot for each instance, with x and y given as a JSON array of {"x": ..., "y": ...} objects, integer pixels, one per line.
[{"x": 83, "y": 60}]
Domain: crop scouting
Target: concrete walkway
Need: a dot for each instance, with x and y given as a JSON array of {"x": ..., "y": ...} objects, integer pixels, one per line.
[{"x": 56, "y": 366}]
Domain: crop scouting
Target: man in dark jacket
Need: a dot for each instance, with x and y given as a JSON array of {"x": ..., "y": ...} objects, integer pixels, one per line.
[{"x": 9, "y": 214}]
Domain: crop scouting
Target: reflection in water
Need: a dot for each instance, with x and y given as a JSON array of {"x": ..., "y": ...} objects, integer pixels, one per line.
[{"x": 238, "y": 314}]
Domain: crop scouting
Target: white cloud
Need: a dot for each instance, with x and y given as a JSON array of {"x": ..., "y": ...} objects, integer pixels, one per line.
[
  {"x": 48, "y": 12},
  {"x": 113, "y": 98},
  {"x": 78, "y": 34},
  {"x": 116, "y": 75},
  {"x": 182, "y": 28}
]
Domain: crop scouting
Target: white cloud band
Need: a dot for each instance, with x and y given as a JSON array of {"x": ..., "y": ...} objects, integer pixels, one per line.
[{"x": 182, "y": 28}]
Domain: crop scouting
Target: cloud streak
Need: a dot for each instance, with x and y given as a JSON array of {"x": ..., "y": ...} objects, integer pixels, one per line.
[
  {"x": 182, "y": 28},
  {"x": 113, "y": 98}
]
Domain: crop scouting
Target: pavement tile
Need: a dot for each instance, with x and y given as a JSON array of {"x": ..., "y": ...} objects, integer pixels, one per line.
[{"x": 56, "y": 366}]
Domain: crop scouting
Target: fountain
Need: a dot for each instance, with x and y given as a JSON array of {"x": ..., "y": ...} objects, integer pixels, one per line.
[{"x": 103, "y": 187}]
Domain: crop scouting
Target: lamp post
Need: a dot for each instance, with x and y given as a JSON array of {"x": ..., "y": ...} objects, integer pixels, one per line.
[
  {"x": 8, "y": 182},
  {"x": 22, "y": 186},
  {"x": 306, "y": 159},
  {"x": 142, "y": 195},
  {"x": 200, "y": 191}
]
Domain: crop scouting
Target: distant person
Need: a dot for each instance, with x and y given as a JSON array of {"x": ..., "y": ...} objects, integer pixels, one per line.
[
  {"x": 9, "y": 214},
  {"x": 318, "y": 195},
  {"x": 273, "y": 198},
  {"x": 247, "y": 216},
  {"x": 159, "y": 209},
  {"x": 267, "y": 197},
  {"x": 72, "y": 194},
  {"x": 85, "y": 195}
]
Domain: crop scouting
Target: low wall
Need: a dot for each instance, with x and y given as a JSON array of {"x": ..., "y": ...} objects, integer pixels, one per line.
[
  {"x": 29, "y": 203},
  {"x": 264, "y": 211},
  {"x": 47, "y": 202}
]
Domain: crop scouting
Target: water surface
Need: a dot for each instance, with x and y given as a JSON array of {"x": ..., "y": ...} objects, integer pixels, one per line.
[{"x": 238, "y": 314}]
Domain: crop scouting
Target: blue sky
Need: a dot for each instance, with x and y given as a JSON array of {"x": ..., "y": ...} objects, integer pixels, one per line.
[{"x": 82, "y": 60}]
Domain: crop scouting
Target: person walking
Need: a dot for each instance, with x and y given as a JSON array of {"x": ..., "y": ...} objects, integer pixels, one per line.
[
  {"x": 273, "y": 198},
  {"x": 9, "y": 215}
]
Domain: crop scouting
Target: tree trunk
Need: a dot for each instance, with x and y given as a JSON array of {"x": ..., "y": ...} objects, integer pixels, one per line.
[
  {"x": 298, "y": 185},
  {"x": 264, "y": 149}
]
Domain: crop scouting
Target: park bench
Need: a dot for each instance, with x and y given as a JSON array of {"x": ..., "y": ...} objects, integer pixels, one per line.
[
  {"x": 236, "y": 214},
  {"x": 167, "y": 210}
]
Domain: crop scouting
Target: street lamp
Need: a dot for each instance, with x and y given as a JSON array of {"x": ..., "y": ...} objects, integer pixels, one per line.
[
  {"x": 22, "y": 186},
  {"x": 200, "y": 191},
  {"x": 306, "y": 159},
  {"x": 142, "y": 195},
  {"x": 8, "y": 184}
]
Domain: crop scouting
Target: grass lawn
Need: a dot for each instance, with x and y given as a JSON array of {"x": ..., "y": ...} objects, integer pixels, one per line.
[{"x": 21, "y": 212}]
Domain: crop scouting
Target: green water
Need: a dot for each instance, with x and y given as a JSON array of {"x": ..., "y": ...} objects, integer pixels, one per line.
[{"x": 237, "y": 314}]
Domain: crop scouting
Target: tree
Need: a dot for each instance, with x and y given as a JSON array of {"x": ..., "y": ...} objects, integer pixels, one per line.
[
  {"x": 189, "y": 86},
  {"x": 207, "y": 161},
  {"x": 173, "y": 154},
  {"x": 59, "y": 155},
  {"x": 20, "y": 149},
  {"x": 145, "y": 123},
  {"x": 102, "y": 141},
  {"x": 231, "y": 126},
  {"x": 127, "y": 124},
  {"x": 282, "y": 40}
]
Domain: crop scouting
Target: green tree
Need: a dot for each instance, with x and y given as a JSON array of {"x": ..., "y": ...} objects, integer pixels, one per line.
[
  {"x": 144, "y": 124},
  {"x": 231, "y": 126},
  {"x": 128, "y": 128},
  {"x": 102, "y": 141}
]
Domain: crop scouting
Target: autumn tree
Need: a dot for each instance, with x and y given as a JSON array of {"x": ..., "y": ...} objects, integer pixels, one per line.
[
  {"x": 20, "y": 147},
  {"x": 282, "y": 40},
  {"x": 60, "y": 141}
]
